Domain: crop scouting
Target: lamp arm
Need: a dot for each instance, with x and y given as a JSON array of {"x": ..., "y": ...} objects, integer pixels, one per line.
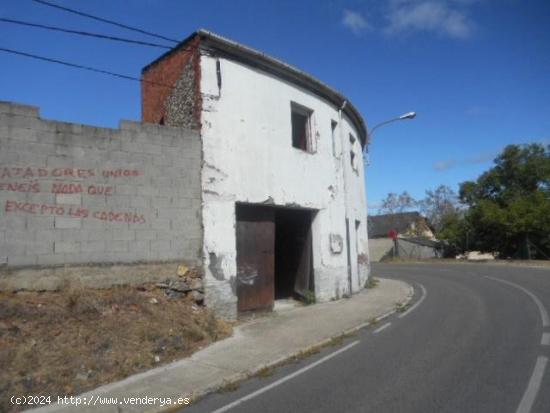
[{"x": 371, "y": 132}]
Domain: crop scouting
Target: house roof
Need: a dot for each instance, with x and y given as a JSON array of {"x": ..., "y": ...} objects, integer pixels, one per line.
[
  {"x": 380, "y": 225},
  {"x": 225, "y": 47}
]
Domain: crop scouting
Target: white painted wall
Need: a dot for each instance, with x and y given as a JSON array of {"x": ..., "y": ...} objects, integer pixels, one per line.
[{"x": 248, "y": 157}]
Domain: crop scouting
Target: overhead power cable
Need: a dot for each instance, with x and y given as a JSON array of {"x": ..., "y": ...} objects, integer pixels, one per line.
[
  {"x": 79, "y": 66},
  {"x": 82, "y": 33},
  {"x": 92, "y": 69},
  {"x": 101, "y": 19}
]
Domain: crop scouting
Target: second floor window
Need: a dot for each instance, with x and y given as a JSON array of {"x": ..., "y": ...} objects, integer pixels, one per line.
[{"x": 301, "y": 127}]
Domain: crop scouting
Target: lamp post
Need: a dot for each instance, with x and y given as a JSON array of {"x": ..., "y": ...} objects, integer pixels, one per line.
[{"x": 405, "y": 116}]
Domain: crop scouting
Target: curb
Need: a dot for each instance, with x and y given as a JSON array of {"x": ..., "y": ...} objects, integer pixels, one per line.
[{"x": 240, "y": 377}]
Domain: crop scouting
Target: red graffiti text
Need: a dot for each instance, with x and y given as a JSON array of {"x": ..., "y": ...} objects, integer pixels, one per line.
[{"x": 74, "y": 212}]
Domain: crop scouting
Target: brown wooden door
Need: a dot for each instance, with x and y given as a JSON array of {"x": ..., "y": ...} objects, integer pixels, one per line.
[{"x": 255, "y": 258}]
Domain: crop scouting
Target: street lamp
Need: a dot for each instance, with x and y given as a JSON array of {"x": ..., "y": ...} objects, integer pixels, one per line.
[{"x": 405, "y": 116}]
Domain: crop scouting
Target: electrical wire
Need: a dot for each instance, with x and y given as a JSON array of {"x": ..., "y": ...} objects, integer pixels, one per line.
[
  {"x": 93, "y": 69},
  {"x": 82, "y": 33},
  {"x": 101, "y": 19},
  {"x": 79, "y": 66}
]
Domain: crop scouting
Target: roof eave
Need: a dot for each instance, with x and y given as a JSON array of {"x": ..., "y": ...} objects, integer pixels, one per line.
[
  {"x": 255, "y": 57},
  {"x": 214, "y": 42}
]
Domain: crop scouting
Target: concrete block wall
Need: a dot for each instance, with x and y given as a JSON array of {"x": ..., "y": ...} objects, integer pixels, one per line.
[
  {"x": 72, "y": 194},
  {"x": 413, "y": 250}
]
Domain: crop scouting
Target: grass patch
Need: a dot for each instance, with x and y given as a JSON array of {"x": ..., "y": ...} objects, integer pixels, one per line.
[
  {"x": 401, "y": 308},
  {"x": 372, "y": 282}
]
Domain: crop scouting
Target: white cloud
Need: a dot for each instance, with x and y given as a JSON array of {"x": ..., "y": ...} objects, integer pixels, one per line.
[
  {"x": 444, "y": 165},
  {"x": 354, "y": 21},
  {"x": 473, "y": 160},
  {"x": 445, "y": 17},
  {"x": 479, "y": 158}
]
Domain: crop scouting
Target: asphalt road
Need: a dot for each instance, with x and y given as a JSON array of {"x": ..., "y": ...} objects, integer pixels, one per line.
[{"x": 473, "y": 340}]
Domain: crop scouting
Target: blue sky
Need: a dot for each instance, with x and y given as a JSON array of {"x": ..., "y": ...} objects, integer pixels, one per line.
[{"x": 476, "y": 71}]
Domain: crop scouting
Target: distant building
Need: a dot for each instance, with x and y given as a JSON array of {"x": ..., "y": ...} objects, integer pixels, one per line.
[
  {"x": 415, "y": 237},
  {"x": 409, "y": 224}
]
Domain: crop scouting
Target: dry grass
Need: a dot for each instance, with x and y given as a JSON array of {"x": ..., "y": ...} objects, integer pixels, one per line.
[
  {"x": 229, "y": 387},
  {"x": 265, "y": 372},
  {"x": 64, "y": 343}
]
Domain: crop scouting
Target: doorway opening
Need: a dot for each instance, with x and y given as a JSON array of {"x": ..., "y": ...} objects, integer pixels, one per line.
[
  {"x": 293, "y": 253},
  {"x": 274, "y": 255}
]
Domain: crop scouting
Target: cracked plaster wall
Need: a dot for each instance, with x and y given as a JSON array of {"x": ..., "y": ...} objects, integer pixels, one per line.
[{"x": 248, "y": 157}]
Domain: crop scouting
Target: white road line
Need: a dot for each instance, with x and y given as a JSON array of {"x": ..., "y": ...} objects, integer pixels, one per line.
[
  {"x": 533, "y": 387},
  {"x": 542, "y": 310},
  {"x": 284, "y": 379},
  {"x": 379, "y": 329},
  {"x": 545, "y": 340},
  {"x": 413, "y": 307},
  {"x": 384, "y": 316}
]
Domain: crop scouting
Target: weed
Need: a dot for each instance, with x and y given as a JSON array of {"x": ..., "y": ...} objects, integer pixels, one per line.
[
  {"x": 309, "y": 297},
  {"x": 336, "y": 341},
  {"x": 401, "y": 308},
  {"x": 229, "y": 386},
  {"x": 372, "y": 282},
  {"x": 308, "y": 352},
  {"x": 264, "y": 372}
]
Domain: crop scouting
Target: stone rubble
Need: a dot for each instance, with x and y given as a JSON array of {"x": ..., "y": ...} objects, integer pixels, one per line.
[{"x": 188, "y": 282}]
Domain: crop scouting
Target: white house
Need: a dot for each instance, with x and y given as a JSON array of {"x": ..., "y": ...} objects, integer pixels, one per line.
[{"x": 283, "y": 194}]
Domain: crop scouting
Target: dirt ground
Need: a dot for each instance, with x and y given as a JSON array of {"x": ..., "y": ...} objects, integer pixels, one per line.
[{"x": 65, "y": 343}]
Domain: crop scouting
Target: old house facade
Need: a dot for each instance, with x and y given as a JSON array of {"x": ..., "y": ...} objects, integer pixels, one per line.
[
  {"x": 242, "y": 165},
  {"x": 283, "y": 196}
]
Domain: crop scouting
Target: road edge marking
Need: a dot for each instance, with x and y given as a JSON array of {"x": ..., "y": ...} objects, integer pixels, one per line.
[
  {"x": 533, "y": 386},
  {"x": 415, "y": 305},
  {"x": 379, "y": 329},
  {"x": 543, "y": 313},
  {"x": 284, "y": 379}
]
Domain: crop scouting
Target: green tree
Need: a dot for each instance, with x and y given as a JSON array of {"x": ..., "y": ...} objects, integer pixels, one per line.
[
  {"x": 455, "y": 233},
  {"x": 509, "y": 205}
]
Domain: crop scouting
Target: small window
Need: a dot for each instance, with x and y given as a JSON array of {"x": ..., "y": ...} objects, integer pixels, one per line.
[
  {"x": 333, "y": 126},
  {"x": 301, "y": 127},
  {"x": 352, "y": 154}
]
